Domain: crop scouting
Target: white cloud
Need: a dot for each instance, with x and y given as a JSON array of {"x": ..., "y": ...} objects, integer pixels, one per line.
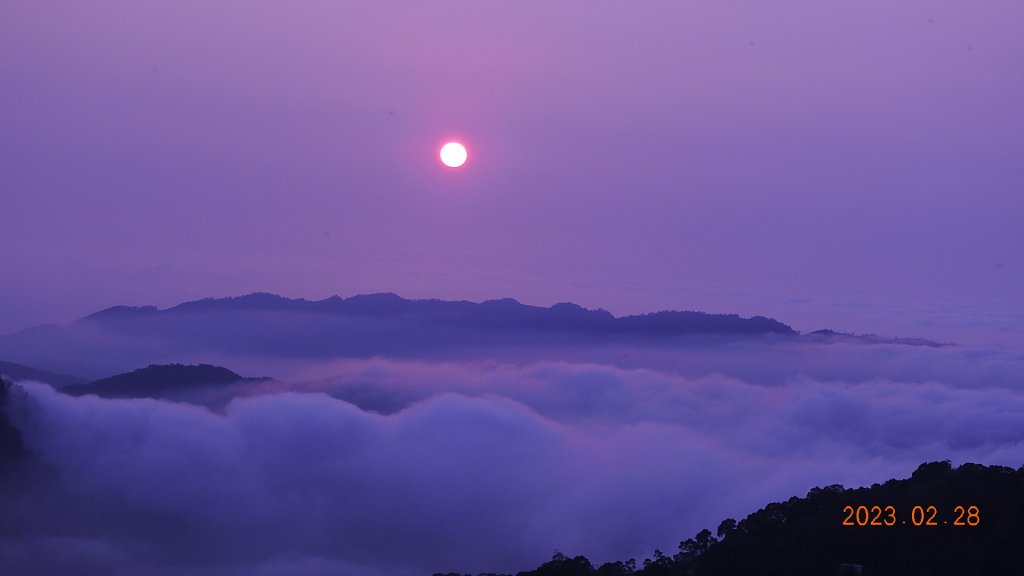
[{"x": 487, "y": 465}]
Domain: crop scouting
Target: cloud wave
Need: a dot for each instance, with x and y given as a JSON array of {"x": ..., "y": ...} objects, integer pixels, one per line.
[{"x": 468, "y": 466}]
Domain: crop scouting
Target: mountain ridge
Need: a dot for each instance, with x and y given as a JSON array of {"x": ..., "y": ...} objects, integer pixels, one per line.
[
  {"x": 563, "y": 315},
  {"x": 159, "y": 380},
  {"x": 264, "y": 326}
]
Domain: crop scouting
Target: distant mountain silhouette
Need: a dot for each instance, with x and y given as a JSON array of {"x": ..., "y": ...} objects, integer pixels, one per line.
[
  {"x": 497, "y": 315},
  {"x": 807, "y": 535},
  {"x": 21, "y": 372},
  {"x": 268, "y": 326},
  {"x": 158, "y": 381},
  {"x": 828, "y": 336}
]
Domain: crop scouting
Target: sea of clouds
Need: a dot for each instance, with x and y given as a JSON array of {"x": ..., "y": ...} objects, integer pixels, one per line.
[{"x": 392, "y": 467}]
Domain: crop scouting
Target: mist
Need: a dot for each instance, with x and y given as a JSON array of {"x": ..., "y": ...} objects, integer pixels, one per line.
[{"x": 387, "y": 466}]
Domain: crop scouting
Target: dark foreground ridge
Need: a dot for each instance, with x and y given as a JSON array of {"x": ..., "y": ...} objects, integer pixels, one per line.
[
  {"x": 806, "y": 536},
  {"x": 155, "y": 381},
  {"x": 12, "y": 445}
]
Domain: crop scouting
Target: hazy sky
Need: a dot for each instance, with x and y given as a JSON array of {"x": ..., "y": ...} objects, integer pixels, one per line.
[{"x": 856, "y": 165}]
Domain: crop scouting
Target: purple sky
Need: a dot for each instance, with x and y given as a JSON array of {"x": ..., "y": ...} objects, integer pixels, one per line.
[{"x": 850, "y": 165}]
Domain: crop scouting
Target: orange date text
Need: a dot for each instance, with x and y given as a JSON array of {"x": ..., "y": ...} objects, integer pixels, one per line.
[{"x": 915, "y": 516}]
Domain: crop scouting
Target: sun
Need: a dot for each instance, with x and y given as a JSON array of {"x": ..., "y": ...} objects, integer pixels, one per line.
[{"x": 453, "y": 154}]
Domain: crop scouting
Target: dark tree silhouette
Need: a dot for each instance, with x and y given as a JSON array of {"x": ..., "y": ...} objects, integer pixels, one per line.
[
  {"x": 807, "y": 535},
  {"x": 12, "y": 445}
]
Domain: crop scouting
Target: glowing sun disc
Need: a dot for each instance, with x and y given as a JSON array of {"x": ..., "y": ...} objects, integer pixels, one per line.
[{"x": 453, "y": 154}]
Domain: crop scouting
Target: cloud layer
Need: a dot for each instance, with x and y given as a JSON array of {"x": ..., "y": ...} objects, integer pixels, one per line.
[{"x": 385, "y": 467}]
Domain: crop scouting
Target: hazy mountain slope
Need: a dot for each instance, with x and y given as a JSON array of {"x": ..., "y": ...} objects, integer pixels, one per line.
[{"x": 16, "y": 372}]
